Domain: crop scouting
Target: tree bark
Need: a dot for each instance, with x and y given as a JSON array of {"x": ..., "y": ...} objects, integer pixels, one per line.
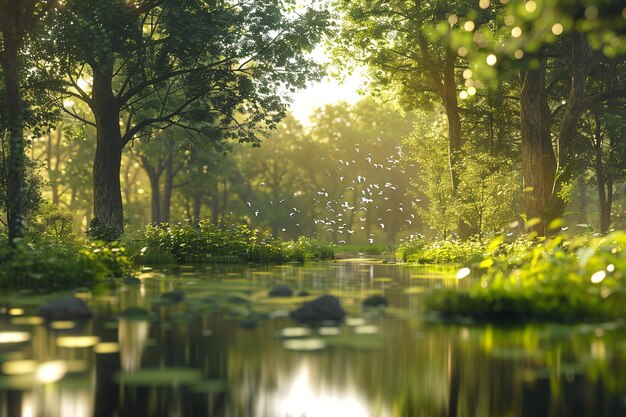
[
  {"x": 16, "y": 159},
  {"x": 107, "y": 191},
  {"x": 538, "y": 159}
]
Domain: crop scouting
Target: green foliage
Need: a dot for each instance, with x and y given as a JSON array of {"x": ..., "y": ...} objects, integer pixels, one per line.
[
  {"x": 566, "y": 191},
  {"x": 422, "y": 251},
  {"x": 427, "y": 145},
  {"x": 309, "y": 248},
  {"x": 33, "y": 182},
  {"x": 488, "y": 184},
  {"x": 489, "y": 187},
  {"x": 53, "y": 257},
  {"x": 51, "y": 222},
  {"x": 111, "y": 257},
  {"x": 101, "y": 231},
  {"x": 51, "y": 267},
  {"x": 188, "y": 242},
  {"x": 581, "y": 279}
]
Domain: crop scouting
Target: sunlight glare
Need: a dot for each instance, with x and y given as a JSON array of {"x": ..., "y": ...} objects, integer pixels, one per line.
[
  {"x": 557, "y": 29},
  {"x": 52, "y": 371},
  {"x": 463, "y": 272},
  {"x": 19, "y": 367},
  {"x": 598, "y": 277},
  {"x": 302, "y": 399},
  {"x": 14, "y": 337}
]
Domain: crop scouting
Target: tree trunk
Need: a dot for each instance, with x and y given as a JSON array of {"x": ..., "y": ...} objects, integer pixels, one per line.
[
  {"x": 455, "y": 140},
  {"x": 601, "y": 180},
  {"x": 454, "y": 118},
  {"x": 107, "y": 193},
  {"x": 580, "y": 61},
  {"x": 197, "y": 206},
  {"x": 215, "y": 204},
  {"x": 155, "y": 192},
  {"x": 224, "y": 198},
  {"x": 53, "y": 173},
  {"x": 583, "y": 199},
  {"x": 538, "y": 159},
  {"x": 609, "y": 204},
  {"x": 16, "y": 160},
  {"x": 169, "y": 181}
]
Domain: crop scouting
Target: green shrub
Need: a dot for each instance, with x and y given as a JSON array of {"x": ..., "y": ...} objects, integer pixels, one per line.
[
  {"x": 555, "y": 280},
  {"x": 53, "y": 257},
  {"x": 111, "y": 257},
  {"x": 49, "y": 269},
  {"x": 188, "y": 242},
  {"x": 51, "y": 230},
  {"x": 443, "y": 251},
  {"x": 98, "y": 230}
]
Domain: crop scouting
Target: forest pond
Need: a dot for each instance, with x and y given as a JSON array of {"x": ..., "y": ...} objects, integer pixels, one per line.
[{"x": 209, "y": 341}]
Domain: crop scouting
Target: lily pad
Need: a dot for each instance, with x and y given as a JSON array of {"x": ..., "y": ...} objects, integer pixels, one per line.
[
  {"x": 329, "y": 331},
  {"x": 414, "y": 290},
  {"x": 295, "y": 332},
  {"x": 159, "y": 377},
  {"x": 355, "y": 321},
  {"x": 357, "y": 341},
  {"x": 308, "y": 344},
  {"x": 366, "y": 329}
]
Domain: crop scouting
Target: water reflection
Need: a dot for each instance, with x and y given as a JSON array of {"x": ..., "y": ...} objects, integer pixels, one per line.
[
  {"x": 300, "y": 393},
  {"x": 133, "y": 335},
  {"x": 397, "y": 364}
]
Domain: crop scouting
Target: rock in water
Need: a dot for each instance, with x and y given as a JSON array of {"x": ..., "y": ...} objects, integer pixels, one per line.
[
  {"x": 131, "y": 280},
  {"x": 324, "y": 308},
  {"x": 375, "y": 301},
  {"x": 172, "y": 297},
  {"x": 281, "y": 291},
  {"x": 69, "y": 308}
]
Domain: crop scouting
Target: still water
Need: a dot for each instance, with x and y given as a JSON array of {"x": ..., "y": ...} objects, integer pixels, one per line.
[{"x": 219, "y": 346}]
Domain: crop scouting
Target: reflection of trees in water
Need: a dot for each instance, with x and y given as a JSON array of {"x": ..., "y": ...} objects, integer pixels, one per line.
[
  {"x": 440, "y": 371},
  {"x": 421, "y": 370}
]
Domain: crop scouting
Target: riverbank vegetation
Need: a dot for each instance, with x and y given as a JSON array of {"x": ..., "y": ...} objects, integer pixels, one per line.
[
  {"x": 51, "y": 257},
  {"x": 564, "y": 278}
]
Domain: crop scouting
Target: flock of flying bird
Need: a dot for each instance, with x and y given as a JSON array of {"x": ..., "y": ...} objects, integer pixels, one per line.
[{"x": 352, "y": 201}]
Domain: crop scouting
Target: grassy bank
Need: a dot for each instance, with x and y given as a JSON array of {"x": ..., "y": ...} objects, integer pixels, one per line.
[
  {"x": 53, "y": 258},
  {"x": 563, "y": 279},
  {"x": 207, "y": 242}
]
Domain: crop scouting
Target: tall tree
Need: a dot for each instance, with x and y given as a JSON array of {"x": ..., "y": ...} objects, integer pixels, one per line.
[
  {"x": 395, "y": 40},
  {"x": 214, "y": 68},
  {"x": 17, "y": 19},
  {"x": 604, "y": 127},
  {"x": 561, "y": 50}
]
